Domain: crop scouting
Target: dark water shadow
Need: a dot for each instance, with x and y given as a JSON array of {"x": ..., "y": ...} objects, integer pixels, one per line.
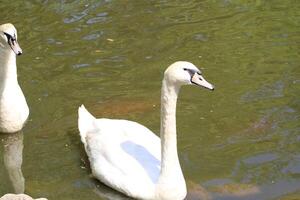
[{"x": 108, "y": 193}]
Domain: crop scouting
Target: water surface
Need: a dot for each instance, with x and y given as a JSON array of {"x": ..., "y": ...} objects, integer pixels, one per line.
[{"x": 239, "y": 142}]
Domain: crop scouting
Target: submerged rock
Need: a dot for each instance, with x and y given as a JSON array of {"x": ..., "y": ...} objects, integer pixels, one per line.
[{"x": 19, "y": 197}]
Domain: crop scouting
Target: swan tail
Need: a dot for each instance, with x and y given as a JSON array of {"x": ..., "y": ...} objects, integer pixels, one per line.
[{"x": 85, "y": 123}]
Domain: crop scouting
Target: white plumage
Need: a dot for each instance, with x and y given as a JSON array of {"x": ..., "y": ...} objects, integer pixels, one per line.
[
  {"x": 13, "y": 106},
  {"x": 129, "y": 157}
]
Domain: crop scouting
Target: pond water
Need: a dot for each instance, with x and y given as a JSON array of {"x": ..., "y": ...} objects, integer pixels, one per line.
[{"x": 241, "y": 141}]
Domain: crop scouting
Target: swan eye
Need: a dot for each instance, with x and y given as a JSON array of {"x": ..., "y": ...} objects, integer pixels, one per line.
[
  {"x": 10, "y": 39},
  {"x": 7, "y": 35},
  {"x": 190, "y": 71}
]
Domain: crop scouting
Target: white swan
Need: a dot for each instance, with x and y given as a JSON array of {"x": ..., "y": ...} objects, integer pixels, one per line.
[
  {"x": 129, "y": 157},
  {"x": 13, "y": 107}
]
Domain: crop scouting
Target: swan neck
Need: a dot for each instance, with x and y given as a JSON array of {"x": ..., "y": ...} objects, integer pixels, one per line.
[
  {"x": 8, "y": 68},
  {"x": 170, "y": 166}
]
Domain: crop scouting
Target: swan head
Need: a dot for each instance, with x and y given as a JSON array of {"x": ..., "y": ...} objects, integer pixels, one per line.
[
  {"x": 185, "y": 73},
  {"x": 8, "y": 38}
]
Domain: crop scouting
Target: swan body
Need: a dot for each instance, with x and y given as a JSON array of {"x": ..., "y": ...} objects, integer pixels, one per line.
[
  {"x": 130, "y": 158},
  {"x": 14, "y": 110}
]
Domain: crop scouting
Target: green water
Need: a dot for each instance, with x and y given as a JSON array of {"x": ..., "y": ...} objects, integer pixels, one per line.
[{"x": 241, "y": 141}]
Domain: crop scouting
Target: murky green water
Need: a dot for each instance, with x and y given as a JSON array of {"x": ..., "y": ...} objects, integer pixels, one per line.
[{"x": 239, "y": 142}]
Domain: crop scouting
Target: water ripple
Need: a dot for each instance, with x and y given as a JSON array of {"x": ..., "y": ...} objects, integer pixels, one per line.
[
  {"x": 293, "y": 167},
  {"x": 81, "y": 14},
  {"x": 260, "y": 158},
  {"x": 81, "y": 65},
  {"x": 75, "y": 17},
  {"x": 274, "y": 90},
  {"x": 93, "y": 36},
  {"x": 96, "y": 20},
  {"x": 101, "y": 17}
]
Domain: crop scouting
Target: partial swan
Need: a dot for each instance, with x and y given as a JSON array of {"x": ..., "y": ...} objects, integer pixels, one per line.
[
  {"x": 129, "y": 157},
  {"x": 19, "y": 197},
  {"x": 13, "y": 106}
]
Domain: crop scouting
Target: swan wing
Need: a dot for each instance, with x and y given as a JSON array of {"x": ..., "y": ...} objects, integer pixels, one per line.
[{"x": 123, "y": 154}]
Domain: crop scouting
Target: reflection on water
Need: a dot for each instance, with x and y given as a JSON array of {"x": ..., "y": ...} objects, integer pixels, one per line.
[
  {"x": 13, "y": 158},
  {"x": 108, "y": 194}
]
